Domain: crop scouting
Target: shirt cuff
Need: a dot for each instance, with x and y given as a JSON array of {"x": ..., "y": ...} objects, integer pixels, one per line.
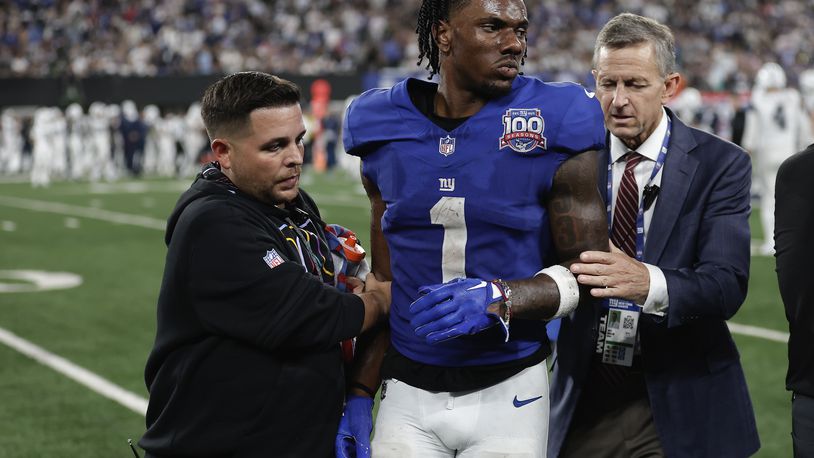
[{"x": 657, "y": 299}]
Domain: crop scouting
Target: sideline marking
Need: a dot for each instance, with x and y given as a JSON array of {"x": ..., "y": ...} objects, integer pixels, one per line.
[
  {"x": 74, "y": 210},
  {"x": 79, "y": 374},
  {"x": 136, "y": 220},
  {"x": 37, "y": 280},
  {"x": 763, "y": 333}
]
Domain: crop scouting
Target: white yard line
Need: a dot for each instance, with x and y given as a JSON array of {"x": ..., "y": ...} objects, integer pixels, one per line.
[
  {"x": 763, "y": 333},
  {"x": 87, "y": 212},
  {"x": 137, "y": 220},
  {"x": 79, "y": 374}
]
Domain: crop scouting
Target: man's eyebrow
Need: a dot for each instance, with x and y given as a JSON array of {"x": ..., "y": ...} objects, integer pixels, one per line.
[
  {"x": 498, "y": 19},
  {"x": 280, "y": 140},
  {"x": 272, "y": 141}
]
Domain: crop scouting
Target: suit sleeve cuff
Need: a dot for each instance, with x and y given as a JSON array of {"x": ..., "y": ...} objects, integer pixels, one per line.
[{"x": 657, "y": 299}]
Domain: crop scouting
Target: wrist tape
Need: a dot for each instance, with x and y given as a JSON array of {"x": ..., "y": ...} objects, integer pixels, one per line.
[{"x": 567, "y": 284}]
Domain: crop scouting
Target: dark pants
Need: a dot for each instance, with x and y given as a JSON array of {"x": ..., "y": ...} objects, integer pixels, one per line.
[
  {"x": 613, "y": 422},
  {"x": 802, "y": 425}
]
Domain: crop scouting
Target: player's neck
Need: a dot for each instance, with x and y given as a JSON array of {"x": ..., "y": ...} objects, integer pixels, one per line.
[{"x": 454, "y": 102}]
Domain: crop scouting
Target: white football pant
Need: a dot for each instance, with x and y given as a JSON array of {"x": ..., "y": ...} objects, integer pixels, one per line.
[{"x": 509, "y": 419}]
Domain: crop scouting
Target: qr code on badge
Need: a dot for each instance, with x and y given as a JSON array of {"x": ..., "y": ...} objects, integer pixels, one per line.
[{"x": 628, "y": 322}]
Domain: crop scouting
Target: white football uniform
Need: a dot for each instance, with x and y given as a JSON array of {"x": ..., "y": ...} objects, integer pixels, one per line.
[
  {"x": 509, "y": 419},
  {"x": 11, "y": 143},
  {"x": 776, "y": 127},
  {"x": 42, "y": 149}
]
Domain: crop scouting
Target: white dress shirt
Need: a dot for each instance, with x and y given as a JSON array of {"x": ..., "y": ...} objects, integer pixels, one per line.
[{"x": 657, "y": 299}]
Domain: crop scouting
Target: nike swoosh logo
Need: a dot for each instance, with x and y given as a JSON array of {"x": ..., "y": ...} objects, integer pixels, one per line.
[
  {"x": 518, "y": 403},
  {"x": 479, "y": 285},
  {"x": 589, "y": 94}
]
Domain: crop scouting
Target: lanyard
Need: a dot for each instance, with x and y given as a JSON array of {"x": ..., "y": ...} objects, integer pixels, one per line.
[{"x": 640, "y": 217}]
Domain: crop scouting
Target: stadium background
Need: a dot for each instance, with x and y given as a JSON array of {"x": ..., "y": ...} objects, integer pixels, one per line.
[{"x": 71, "y": 368}]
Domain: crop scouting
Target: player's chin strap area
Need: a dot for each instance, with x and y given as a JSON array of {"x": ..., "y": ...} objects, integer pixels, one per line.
[{"x": 568, "y": 287}]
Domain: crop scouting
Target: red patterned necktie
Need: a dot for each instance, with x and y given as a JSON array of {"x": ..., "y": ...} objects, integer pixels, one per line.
[{"x": 623, "y": 230}]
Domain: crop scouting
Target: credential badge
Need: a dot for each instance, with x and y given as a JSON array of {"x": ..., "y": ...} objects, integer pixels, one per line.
[
  {"x": 446, "y": 145},
  {"x": 523, "y": 130}
]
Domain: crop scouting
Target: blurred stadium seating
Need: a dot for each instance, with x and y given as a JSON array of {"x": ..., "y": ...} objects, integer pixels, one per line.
[
  {"x": 721, "y": 43},
  {"x": 164, "y": 53}
]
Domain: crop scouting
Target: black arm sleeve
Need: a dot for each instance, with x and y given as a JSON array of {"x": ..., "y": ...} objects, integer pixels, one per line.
[{"x": 235, "y": 293}]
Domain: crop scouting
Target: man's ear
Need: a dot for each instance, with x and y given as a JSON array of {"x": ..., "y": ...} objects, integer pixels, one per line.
[
  {"x": 442, "y": 33},
  {"x": 670, "y": 87},
  {"x": 222, "y": 151}
]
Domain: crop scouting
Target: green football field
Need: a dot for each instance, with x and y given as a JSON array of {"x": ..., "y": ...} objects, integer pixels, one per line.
[{"x": 72, "y": 357}]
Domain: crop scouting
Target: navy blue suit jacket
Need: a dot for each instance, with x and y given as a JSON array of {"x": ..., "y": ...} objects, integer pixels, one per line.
[{"x": 699, "y": 237}]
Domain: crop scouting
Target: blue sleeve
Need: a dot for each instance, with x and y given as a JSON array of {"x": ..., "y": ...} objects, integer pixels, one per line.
[
  {"x": 347, "y": 130},
  {"x": 583, "y": 125},
  {"x": 369, "y": 122},
  {"x": 714, "y": 285}
]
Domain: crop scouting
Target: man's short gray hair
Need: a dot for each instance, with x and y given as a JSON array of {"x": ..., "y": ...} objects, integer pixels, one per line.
[{"x": 628, "y": 29}]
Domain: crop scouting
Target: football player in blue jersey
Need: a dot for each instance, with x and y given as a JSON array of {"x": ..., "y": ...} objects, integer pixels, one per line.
[{"x": 479, "y": 193}]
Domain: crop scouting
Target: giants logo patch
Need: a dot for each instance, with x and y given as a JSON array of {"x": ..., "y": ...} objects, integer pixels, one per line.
[{"x": 523, "y": 130}]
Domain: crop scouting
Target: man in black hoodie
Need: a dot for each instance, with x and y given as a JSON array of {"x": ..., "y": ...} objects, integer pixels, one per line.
[
  {"x": 247, "y": 359},
  {"x": 794, "y": 248}
]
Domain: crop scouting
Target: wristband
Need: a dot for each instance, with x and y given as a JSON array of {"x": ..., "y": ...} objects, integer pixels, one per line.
[
  {"x": 362, "y": 387},
  {"x": 506, "y": 292},
  {"x": 568, "y": 287}
]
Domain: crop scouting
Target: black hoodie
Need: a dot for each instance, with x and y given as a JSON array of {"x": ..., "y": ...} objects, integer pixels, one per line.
[{"x": 246, "y": 359}]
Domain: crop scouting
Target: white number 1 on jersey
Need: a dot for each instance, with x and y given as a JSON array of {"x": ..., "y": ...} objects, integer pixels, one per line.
[{"x": 449, "y": 213}]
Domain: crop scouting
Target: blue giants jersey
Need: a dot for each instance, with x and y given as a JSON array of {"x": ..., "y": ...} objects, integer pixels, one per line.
[{"x": 469, "y": 202}]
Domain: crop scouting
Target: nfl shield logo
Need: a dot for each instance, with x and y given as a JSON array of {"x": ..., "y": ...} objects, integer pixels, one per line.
[
  {"x": 446, "y": 145},
  {"x": 272, "y": 258}
]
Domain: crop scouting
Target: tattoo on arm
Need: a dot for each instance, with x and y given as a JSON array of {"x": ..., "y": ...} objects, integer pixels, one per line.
[
  {"x": 578, "y": 223},
  {"x": 576, "y": 210}
]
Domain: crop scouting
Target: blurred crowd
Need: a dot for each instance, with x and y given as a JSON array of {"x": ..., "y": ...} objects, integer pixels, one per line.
[
  {"x": 108, "y": 142},
  {"x": 721, "y": 43},
  {"x": 113, "y": 141}
]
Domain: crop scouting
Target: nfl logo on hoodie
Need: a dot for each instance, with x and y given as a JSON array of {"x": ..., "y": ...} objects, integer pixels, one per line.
[{"x": 272, "y": 258}]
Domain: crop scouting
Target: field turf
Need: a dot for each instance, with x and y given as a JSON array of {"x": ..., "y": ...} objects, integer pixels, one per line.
[{"x": 110, "y": 234}]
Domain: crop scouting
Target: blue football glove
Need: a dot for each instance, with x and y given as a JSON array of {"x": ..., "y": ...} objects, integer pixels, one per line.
[
  {"x": 353, "y": 437},
  {"x": 456, "y": 308}
]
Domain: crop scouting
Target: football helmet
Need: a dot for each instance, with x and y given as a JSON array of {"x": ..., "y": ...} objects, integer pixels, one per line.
[{"x": 770, "y": 76}]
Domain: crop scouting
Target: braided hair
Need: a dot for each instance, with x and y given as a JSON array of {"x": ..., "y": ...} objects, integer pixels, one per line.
[{"x": 432, "y": 12}]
